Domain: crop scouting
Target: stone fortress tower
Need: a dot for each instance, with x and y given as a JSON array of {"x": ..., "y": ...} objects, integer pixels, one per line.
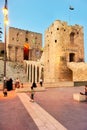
[
  {"x": 64, "y": 54},
  {"x": 23, "y": 45}
]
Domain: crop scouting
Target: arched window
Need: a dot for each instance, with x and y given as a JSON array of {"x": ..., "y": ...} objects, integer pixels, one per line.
[
  {"x": 72, "y": 37},
  {"x": 26, "y": 51},
  {"x": 26, "y": 39}
]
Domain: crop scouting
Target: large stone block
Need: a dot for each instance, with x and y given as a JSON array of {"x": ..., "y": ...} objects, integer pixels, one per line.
[{"x": 79, "y": 97}]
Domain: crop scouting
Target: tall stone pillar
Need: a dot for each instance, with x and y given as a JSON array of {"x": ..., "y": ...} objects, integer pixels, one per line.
[
  {"x": 36, "y": 74},
  {"x": 32, "y": 72},
  {"x": 29, "y": 73}
]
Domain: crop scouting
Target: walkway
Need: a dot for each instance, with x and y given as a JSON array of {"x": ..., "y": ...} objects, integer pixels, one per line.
[
  {"x": 43, "y": 120},
  {"x": 53, "y": 109}
]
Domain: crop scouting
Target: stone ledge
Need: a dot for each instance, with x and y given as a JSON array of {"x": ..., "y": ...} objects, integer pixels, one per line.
[
  {"x": 80, "y": 83},
  {"x": 27, "y": 89},
  {"x": 79, "y": 97}
]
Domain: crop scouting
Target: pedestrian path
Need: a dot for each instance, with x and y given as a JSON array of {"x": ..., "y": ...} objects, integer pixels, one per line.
[
  {"x": 43, "y": 119},
  {"x": 28, "y": 89}
]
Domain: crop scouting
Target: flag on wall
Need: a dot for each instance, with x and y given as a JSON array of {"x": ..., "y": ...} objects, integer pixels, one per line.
[{"x": 26, "y": 45}]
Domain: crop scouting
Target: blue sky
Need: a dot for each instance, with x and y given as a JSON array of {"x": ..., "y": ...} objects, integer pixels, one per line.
[{"x": 38, "y": 15}]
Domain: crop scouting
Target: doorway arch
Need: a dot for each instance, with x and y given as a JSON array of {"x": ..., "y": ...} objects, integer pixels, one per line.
[{"x": 26, "y": 51}]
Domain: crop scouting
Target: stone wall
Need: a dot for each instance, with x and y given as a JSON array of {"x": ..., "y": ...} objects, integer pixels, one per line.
[
  {"x": 79, "y": 70},
  {"x": 1, "y": 48},
  {"x": 63, "y": 43},
  {"x": 17, "y": 38}
]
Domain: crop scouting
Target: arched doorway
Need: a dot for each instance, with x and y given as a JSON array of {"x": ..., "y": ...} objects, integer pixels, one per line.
[{"x": 26, "y": 51}]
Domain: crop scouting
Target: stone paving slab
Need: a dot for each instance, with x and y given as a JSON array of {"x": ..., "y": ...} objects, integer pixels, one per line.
[
  {"x": 43, "y": 120},
  {"x": 10, "y": 95},
  {"x": 28, "y": 89},
  {"x": 13, "y": 115},
  {"x": 60, "y": 104}
]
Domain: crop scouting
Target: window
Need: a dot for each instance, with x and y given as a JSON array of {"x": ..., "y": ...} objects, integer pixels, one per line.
[
  {"x": 26, "y": 39},
  {"x": 57, "y": 28},
  {"x": 72, "y": 37},
  {"x": 17, "y": 37},
  {"x": 71, "y": 57},
  {"x": 55, "y": 41},
  {"x": 13, "y": 38}
]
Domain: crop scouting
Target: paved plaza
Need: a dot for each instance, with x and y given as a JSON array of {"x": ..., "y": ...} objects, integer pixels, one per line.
[{"x": 52, "y": 109}]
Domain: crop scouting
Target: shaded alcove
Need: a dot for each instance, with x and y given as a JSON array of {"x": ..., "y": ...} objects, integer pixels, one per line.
[{"x": 26, "y": 51}]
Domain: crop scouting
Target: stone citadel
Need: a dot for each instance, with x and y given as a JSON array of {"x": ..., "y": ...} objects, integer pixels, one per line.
[{"x": 60, "y": 61}]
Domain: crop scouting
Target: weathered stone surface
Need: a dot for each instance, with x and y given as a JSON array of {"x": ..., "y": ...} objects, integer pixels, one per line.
[
  {"x": 17, "y": 38},
  {"x": 63, "y": 43},
  {"x": 79, "y": 70}
]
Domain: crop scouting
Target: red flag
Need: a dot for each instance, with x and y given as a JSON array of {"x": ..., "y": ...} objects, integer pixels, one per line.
[{"x": 26, "y": 45}]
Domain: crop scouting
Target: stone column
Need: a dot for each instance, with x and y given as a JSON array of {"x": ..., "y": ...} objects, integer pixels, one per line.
[
  {"x": 39, "y": 73},
  {"x": 32, "y": 72},
  {"x": 29, "y": 73},
  {"x": 36, "y": 74}
]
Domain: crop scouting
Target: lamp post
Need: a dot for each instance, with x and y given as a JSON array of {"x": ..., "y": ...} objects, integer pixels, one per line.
[{"x": 5, "y": 12}]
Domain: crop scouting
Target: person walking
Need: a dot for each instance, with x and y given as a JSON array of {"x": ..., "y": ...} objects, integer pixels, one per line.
[
  {"x": 85, "y": 91},
  {"x": 17, "y": 83},
  {"x": 34, "y": 85},
  {"x": 32, "y": 91},
  {"x": 32, "y": 94},
  {"x": 10, "y": 84}
]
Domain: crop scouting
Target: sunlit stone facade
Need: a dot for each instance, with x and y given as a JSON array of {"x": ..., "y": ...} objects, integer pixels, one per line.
[
  {"x": 64, "y": 44},
  {"x": 23, "y": 45},
  {"x": 62, "y": 60}
]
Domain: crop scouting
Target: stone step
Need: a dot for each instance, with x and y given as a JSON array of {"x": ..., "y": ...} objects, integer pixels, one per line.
[{"x": 59, "y": 84}]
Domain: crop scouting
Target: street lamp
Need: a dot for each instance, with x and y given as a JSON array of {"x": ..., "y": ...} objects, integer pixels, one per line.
[{"x": 5, "y": 12}]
